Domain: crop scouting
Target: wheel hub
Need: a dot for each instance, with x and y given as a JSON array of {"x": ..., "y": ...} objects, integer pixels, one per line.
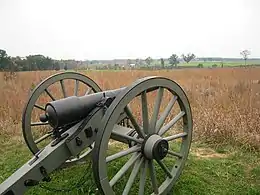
[{"x": 155, "y": 147}]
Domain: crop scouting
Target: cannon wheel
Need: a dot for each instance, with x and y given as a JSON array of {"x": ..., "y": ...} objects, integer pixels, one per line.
[
  {"x": 43, "y": 88},
  {"x": 145, "y": 153}
]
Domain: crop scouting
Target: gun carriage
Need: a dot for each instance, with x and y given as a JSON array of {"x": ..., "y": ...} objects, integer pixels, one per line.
[{"x": 84, "y": 126}]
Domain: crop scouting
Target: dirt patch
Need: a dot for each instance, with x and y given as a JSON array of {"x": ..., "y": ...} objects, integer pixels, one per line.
[{"x": 207, "y": 153}]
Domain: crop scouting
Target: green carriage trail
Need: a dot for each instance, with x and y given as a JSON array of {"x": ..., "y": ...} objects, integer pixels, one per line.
[{"x": 221, "y": 171}]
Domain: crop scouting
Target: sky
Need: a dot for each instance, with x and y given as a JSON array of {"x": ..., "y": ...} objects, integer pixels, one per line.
[{"x": 110, "y": 29}]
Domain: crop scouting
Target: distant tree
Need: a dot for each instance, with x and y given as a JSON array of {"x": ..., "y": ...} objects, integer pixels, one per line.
[
  {"x": 148, "y": 61},
  {"x": 200, "y": 66},
  {"x": 116, "y": 66},
  {"x": 162, "y": 62},
  {"x": 137, "y": 62},
  {"x": 128, "y": 62},
  {"x": 173, "y": 60},
  {"x": 21, "y": 64},
  {"x": 187, "y": 58},
  {"x": 5, "y": 60},
  {"x": 65, "y": 67},
  {"x": 56, "y": 66},
  {"x": 3, "y": 54},
  {"x": 245, "y": 54},
  {"x": 40, "y": 62}
]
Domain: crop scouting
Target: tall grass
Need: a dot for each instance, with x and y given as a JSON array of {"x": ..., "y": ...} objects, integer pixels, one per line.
[{"x": 225, "y": 102}]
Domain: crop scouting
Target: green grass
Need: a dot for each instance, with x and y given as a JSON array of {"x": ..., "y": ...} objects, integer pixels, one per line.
[
  {"x": 205, "y": 64},
  {"x": 225, "y": 63},
  {"x": 236, "y": 172}
]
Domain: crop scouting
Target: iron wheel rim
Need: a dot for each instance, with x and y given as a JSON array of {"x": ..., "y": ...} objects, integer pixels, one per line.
[
  {"x": 105, "y": 130},
  {"x": 35, "y": 94}
]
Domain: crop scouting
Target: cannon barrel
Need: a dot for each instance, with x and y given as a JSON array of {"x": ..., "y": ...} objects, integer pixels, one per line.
[{"x": 72, "y": 109}]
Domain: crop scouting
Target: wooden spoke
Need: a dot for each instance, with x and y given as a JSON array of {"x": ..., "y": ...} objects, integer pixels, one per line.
[
  {"x": 63, "y": 89},
  {"x": 156, "y": 110},
  {"x": 49, "y": 94},
  {"x": 165, "y": 128},
  {"x": 39, "y": 107}
]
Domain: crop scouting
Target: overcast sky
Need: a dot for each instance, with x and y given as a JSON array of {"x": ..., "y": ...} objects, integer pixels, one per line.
[{"x": 108, "y": 29}]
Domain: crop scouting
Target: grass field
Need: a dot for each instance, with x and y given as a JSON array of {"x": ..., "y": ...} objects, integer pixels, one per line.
[
  {"x": 225, "y": 63},
  {"x": 211, "y": 63},
  {"x": 225, "y": 153},
  {"x": 206, "y": 64}
]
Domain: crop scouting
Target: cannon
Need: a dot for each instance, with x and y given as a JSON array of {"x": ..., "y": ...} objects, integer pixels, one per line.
[{"x": 106, "y": 126}]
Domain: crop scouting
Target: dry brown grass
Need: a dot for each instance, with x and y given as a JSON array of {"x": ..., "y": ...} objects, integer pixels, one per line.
[{"x": 225, "y": 102}]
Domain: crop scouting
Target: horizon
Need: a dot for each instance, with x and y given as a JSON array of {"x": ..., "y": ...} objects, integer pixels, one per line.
[
  {"x": 165, "y": 58},
  {"x": 84, "y": 30}
]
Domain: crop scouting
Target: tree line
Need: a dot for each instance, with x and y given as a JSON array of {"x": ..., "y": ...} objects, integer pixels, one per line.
[
  {"x": 40, "y": 62},
  {"x": 173, "y": 60},
  {"x": 29, "y": 63}
]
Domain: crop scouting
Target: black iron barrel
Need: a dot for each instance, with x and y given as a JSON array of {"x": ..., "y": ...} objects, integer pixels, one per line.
[{"x": 72, "y": 109}]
